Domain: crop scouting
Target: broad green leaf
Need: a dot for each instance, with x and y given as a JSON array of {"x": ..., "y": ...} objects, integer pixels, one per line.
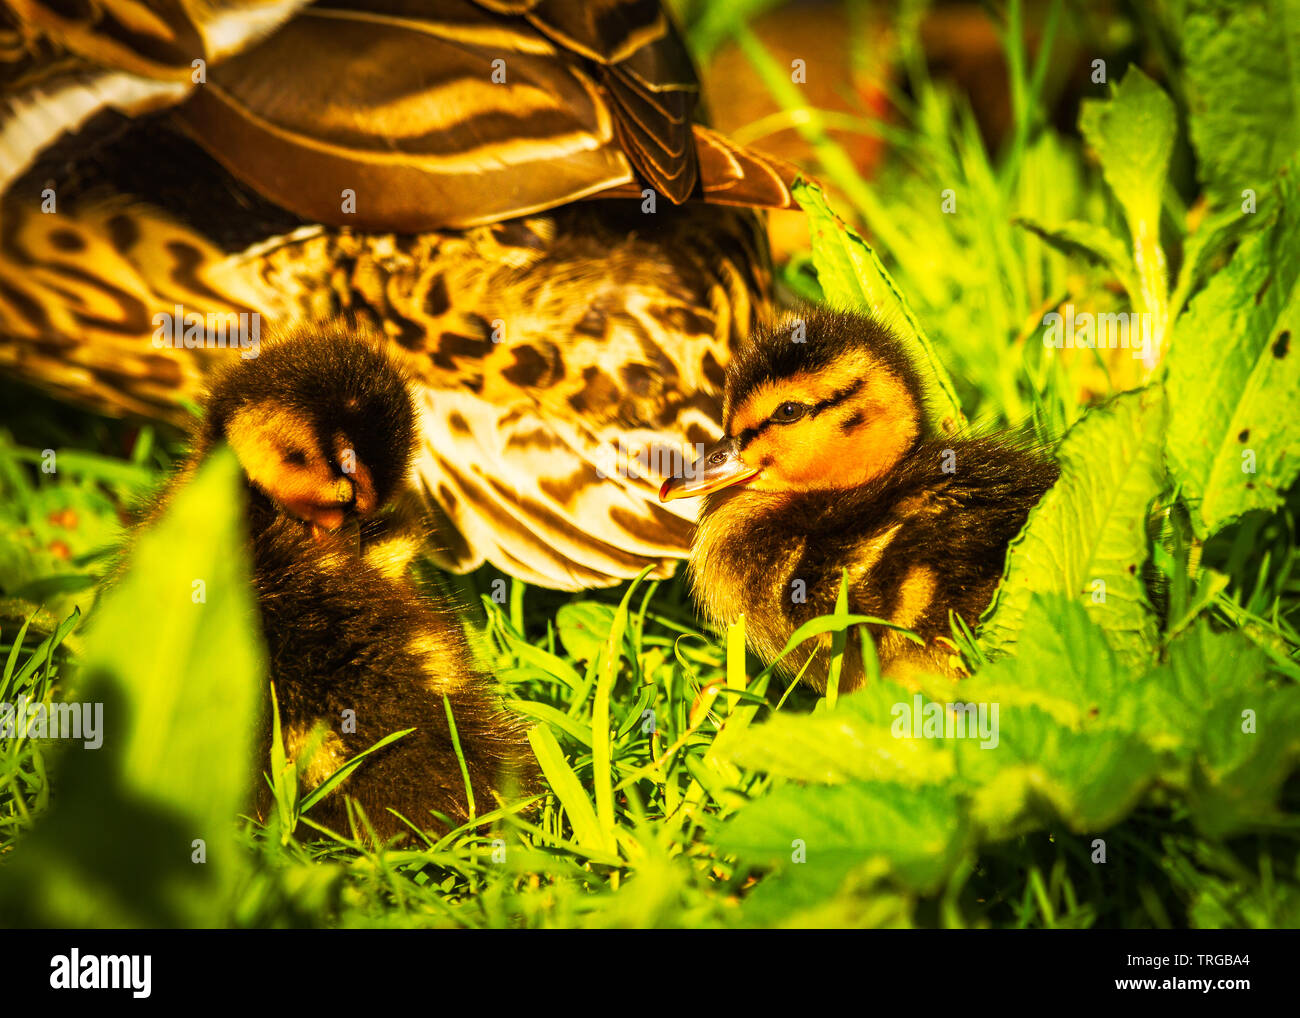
[
  {"x": 1133, "y": 135},
  {"x": 921, "y": 832},
  {"x": 193, "y": 710},
  {"x": 1234, "y": 376},
  {"x": 176, "y": 765},
  {"x": 1251, "y": 744},
  {"x": 853, "y": 741},
  {"x": 864, "y": 899},
  {"x": 852, "y": 276},
  {"x": 1086, "y": 539},
  {"x": 1243, "y": 91},
  {"x": 1214, "y": 235},
  {"x": 583, "y": 627},
  {"x": 1203, "y": 668},
  {"x": 1063, "y": 666},
  {"x": 1041, "y": 772}
]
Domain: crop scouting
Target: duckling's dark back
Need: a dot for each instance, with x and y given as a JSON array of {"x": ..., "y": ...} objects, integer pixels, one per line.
[
  {"x": 367, "y": 655},
  {"x": 353, "y": 646}
]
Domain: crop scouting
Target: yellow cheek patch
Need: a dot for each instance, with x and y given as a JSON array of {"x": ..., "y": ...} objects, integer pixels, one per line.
[
  {"x": 836, "y": 449},
  {"x": 867, "y": 421},
  {"x": 893, "y": 420},
  {"x": 834, "y": 458},
  {"x": 887, "y": 396},
  {"x": 262, "y": 436}
]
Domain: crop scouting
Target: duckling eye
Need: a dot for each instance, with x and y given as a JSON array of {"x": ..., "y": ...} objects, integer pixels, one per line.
[{"x": 788, "y": 412}]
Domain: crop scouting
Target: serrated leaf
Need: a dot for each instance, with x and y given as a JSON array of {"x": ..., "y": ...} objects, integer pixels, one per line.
[
  {"x": 1233, "y": 369},
  {"x": 1202, "y": 668},
  {"x": 1063, "y": 666},
  {"x": 853, "y": 741},
  {"x": 1214, "y": 235},
  {"x": 1133, "y": 135},
  {"x": 1041, "y": 772},
  {"x": 1243, "y": 91},
  {"x": 920, "y": 832},
  {"x": 1250, "y": 746},
  {"x": 1089, "y": 529},
  {"x": 852, "y": 276}
]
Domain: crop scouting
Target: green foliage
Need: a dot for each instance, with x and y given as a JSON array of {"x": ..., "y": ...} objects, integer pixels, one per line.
[
  {"x": 176, "y": 763},
  {"x": 817, "y": 837},
  {"x": 1133, "y": 136},
  {"x": 1079, "y": 741},
  {"x": 26, "y": 790},
  {"x": 1243, "y": 85},
  {"x": 55, "y": 537},
  {"x": 851, "y": 275},
  {"x": 1087, "y": 537},
  {"x": 1233, "y": 366}
]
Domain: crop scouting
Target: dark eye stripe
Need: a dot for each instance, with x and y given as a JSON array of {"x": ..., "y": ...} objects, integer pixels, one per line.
[
  {"x": 834, "y": 400},
  {"x": 749, "y": 434}
]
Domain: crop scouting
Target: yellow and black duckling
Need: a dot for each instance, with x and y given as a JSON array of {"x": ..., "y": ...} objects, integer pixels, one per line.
[
  {"x": 324, "y": 426},
  {"x": 826, "y": 466}
]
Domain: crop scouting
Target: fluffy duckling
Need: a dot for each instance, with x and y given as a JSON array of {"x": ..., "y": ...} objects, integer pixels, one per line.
[
  {"x": 324, "y": 426},
  {"x": 826, "y": 465}
]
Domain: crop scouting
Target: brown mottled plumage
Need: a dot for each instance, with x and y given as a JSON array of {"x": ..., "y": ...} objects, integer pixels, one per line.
[
  {"x": 324, "y": 426},
  {"x": 826, "y": 467},
  {"x": 362, "y": 157}
]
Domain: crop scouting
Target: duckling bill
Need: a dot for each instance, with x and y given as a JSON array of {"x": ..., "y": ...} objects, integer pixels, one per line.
[
  {"x": 827, "y": 466},
  {"x": 324, "y": 426}
]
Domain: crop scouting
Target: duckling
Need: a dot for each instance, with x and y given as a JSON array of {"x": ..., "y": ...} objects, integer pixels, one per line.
[
  {"x": 827, "y": 466},
  {"x": 324, "y": 426}
]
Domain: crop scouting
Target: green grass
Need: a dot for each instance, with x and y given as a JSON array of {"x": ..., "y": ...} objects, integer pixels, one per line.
[{"x": 687, "y": 784}]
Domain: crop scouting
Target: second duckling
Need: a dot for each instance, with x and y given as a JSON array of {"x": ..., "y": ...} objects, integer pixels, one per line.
[
  {"x": 826, "y": 466},
  {"x": 324, "y": 426}
]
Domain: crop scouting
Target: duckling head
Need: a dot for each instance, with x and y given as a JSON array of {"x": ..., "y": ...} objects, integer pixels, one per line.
[
  {"x": 822, "y": 400},
  {"x": 322, "y": 422}
]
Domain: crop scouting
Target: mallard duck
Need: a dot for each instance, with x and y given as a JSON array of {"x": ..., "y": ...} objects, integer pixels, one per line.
[
  {"x": 324, "y": 426},
  {"x": 515, "y": 195},
  {"x": 826, "y": 467}
]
